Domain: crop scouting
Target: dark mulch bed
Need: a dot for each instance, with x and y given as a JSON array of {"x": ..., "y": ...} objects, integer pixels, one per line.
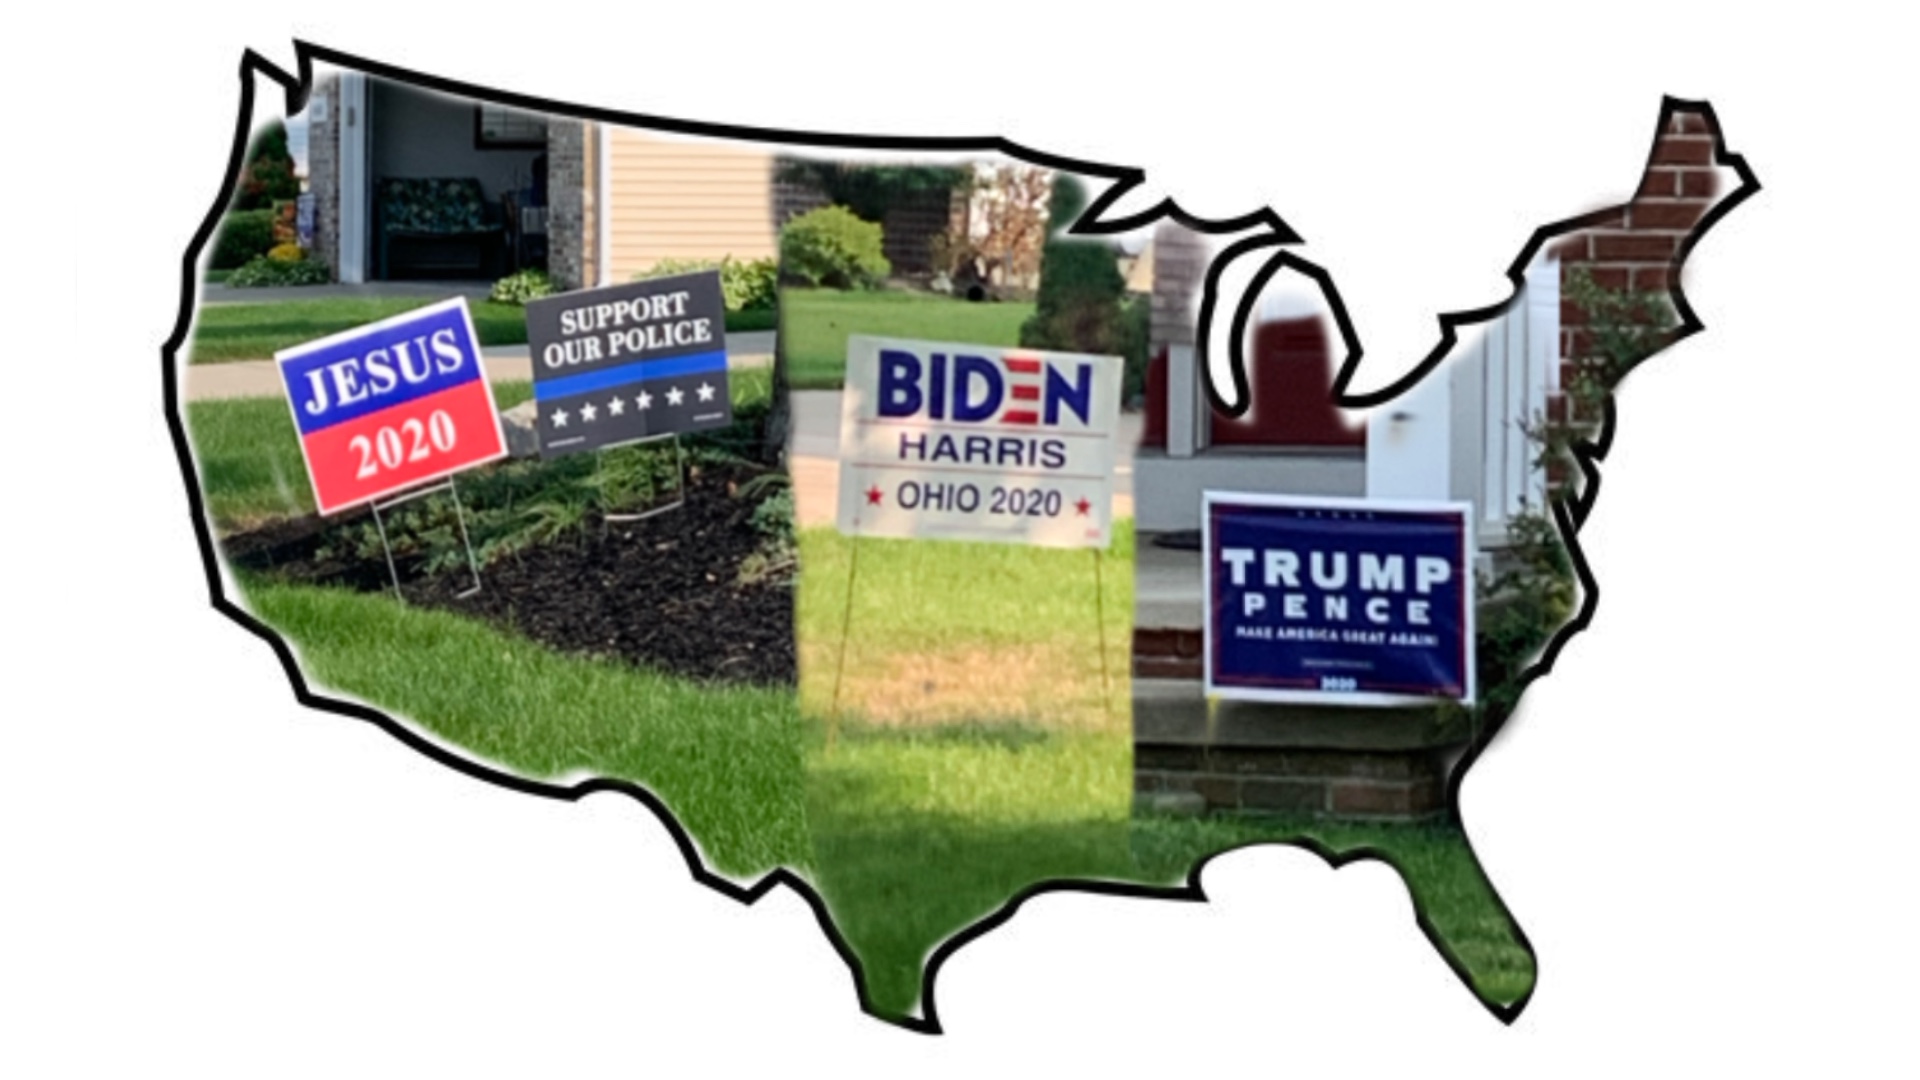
[{"x": 663, "y": 592}]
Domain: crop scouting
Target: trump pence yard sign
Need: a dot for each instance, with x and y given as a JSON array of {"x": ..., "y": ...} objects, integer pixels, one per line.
[
  {"x": 391, "y": 405},
  {"x": 1337, "y": 600},
  {"x": 629, "y": 362},
  {"x": 971, "y": 442}
]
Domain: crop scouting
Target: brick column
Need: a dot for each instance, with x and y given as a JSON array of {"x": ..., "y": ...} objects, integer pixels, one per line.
[
  {"x": 323, "y": 171},
  {"x": 570, "y": 238}
]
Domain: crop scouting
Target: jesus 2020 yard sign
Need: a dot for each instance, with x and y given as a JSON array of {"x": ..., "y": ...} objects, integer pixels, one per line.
[
  {"x": 971, "y": 442},
  {"x": 629, "y": 362},
  {"x": 1328, "y": 600},
  {"x": 391, "y": 405}
]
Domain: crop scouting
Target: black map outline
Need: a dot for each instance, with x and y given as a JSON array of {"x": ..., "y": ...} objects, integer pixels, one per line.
[{"x": 1569, "y": 516}]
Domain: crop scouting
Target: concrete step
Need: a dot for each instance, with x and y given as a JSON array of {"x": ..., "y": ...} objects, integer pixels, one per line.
[{"x": 1175, "y": 712}]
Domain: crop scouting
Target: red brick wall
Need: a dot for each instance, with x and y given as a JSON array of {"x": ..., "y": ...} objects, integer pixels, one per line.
[{"x": 1635, "y": 248}]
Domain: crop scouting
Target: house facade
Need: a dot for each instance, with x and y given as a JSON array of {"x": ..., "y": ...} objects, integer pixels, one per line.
[
  {"x": 1468, "y": 432},
  {"x": 591, "y": 203}
]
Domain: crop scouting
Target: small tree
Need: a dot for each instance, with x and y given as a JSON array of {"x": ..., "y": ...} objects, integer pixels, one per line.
[
  {"x": 267, "y": 177},
  {"x": 1014, "y": 218},
  {"x": 1082, "y": 303}
]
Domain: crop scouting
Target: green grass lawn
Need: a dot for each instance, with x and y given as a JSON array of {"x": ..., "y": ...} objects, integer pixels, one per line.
[
  {"x": 1434, "y": 860},
  {"x": 815, "y": 323},
  {"x": 243, "y": 331},
  {"x": 971, "y": 756},
  {"x": 727, "y": 760},
  {"x": 977, "y": 751}
]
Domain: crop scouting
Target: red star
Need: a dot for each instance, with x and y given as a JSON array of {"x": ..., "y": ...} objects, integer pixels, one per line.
[
  {"x": 1083, "y": 506},
  {"x": 873, "y": 496}
]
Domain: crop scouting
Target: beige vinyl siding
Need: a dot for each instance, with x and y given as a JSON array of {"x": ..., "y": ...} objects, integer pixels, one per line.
[{"x": 675, "y": 199}]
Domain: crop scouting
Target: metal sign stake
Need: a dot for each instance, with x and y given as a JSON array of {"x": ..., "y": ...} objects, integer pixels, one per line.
[
  {"x": 460, "y": 515},
  {"x": 680, "y": 468},
  {"x": 1100, "y": 627},
  {"x": 846, "y": 625}
]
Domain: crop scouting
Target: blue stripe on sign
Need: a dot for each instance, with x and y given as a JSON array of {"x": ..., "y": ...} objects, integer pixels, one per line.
[
  {"x": 371, "y": 371},
  {"x": 588, "y": 381}
]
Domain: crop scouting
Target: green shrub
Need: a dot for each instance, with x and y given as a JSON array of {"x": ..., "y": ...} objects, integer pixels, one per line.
[
  {"x": 1520, "y": 609},
  {"x": 747, "y": 285},
  {"x": 1082, "y": 304},
  {"x": 244, "y": 236},
  {"x": 522, "y": 286},
  {"x": 262, "y": 272},
  {"x": 830, "y": 246}
]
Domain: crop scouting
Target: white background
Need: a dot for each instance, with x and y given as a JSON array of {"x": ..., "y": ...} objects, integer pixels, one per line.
[{"x": 1701, "y": 819}]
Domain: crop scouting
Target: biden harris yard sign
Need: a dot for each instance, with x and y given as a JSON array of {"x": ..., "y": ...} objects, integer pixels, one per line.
[
  {"x": 391, "y": 405},
  {"x": 972, "y": 442},
  {"x": 1337, "y": 600},
  {"x": 629, "y": 362}
]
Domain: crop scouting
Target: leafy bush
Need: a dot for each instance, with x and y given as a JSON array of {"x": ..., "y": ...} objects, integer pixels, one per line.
[
  {"x": 830, "y": 246},
  {"x": 287, "y": 253},
  {"x": 244, "y": 236},
  {"x": 1520, "y": 609},
  {"x": 522, "y": 286},
  {"x": 746, "y": 285},
  {"x": 263, "y": 272}
]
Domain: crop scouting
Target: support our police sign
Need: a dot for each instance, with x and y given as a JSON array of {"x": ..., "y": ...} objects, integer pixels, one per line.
[
  {"x": 1338, "y": 600},
  {"x": 972, "y": 442},
  {"x": 629, "y": 362},
  {"x": 391, "y": 405}
]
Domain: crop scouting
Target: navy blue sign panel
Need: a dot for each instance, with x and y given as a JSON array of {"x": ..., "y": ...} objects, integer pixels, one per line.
[
  {"x": 1338, "y": 600},
  {"x": 629, "y": 362}
]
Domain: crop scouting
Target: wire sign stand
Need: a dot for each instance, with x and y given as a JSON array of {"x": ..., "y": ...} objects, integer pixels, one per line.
[
  {"x": 460, "y": 515},
  {"x": 680, "y": 478}
]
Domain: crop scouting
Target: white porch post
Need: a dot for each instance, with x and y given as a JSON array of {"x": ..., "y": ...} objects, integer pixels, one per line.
[
  {"x": 603, "y": 204},
  {"x": 1183, "y": 394},
  {"x": 354, "y": 210}
]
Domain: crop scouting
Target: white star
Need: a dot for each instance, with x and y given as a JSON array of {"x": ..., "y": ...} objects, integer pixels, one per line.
[
  {"x": 706, "y": 392},
  {"x": 616, "y": 406},
  {"x": 588, "y": 412},
  {"x": 645, "y": 400},
  {"x": 674, "y": 395},
  {"x": 559, "y": 418}
]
